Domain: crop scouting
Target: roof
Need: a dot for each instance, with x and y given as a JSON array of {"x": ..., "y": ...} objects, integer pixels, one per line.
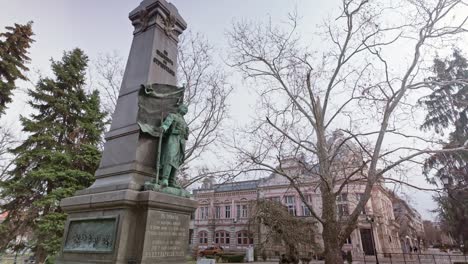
[
  {"x": 236, "y": 186},
  {"x": 233, "y": 186}
]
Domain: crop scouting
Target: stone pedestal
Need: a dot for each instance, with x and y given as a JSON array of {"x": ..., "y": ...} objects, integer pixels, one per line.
[
  {"x": 126, "y": 226},
  {"x": 114, "y": 221}
]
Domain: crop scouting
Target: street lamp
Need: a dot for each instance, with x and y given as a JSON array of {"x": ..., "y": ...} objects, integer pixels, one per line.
[
  {"x": 447, "y": 181},
  {"x": 370, "y": 219}
]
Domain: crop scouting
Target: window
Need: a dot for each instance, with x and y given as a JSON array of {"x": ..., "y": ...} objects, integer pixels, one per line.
[
  {"x": 359, "y": 196},
  {"x": 291, "y": 204},
  {"x": 363, "y": 211},
  {"x": 305, "y": 210},
  {"x": 342, "y": 206},
  {"x": 275, "y": 199},
  {"x": 342, "y": 197},
  {"x": 243, "y": 238},
  {"x": 222, "y": 237},
  {"x": 203, "y": 237},
  {"x": 348, "y": 240},
  {"x": 203, "y": 212},
  {"x": 289, "y": 199},
  {"x": 227, "y": 211},
  {"x": 241, "y": 211},
  {"x": 244, "y": 211},
  {"x": 217, "y": 212},
  {"x": 343, "y": 210}
]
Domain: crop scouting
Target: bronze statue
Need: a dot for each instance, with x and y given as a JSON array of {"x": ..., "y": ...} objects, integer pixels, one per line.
[
  {"x": 154, "y": 102},
  {"x": 175, "y": 131}
]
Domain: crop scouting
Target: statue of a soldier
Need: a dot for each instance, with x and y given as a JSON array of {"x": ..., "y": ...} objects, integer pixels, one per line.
[{"x": 175, "y": 132}]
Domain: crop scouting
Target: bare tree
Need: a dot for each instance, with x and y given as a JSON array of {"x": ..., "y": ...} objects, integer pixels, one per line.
[
  {"x": 7, "y": 141},
  {"x": 206, "y": 94},
  {"x": 348, "y": 108},
  {"x": 108, "y": 71}
]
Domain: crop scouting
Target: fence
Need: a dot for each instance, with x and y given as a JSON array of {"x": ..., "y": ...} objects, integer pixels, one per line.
[
  {"x": 411, "y": 258},
  {"x": 11, "y": 259},
  {"x": 388, "y": 258}
]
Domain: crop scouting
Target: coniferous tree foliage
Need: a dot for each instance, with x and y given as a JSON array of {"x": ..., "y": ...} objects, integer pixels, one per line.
[
  {"x": 58, "y": 158},
  {"x": 14, "y": 45},
  {"x": 447, "y": 108}
]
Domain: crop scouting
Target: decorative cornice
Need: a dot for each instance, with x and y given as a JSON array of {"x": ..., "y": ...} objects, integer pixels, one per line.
[{"x": 158, "y": 13}]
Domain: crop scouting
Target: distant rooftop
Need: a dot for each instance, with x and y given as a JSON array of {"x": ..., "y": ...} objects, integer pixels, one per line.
[{"x": 232, "y": 186}]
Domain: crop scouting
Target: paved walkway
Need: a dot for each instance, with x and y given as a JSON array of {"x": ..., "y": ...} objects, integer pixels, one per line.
[{"x": 454, "y": 259}]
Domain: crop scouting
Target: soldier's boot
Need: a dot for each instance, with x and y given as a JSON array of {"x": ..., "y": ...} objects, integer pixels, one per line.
[
  {"x": 166, "y": 173},
  {"x": 164, "y": 183},
  {"x": 172, "y": 179}
]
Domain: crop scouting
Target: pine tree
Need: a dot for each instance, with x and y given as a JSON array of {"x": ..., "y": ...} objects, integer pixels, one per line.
[
  {"x": 58, "y": 158},
  {"x": 13, "y": 57},
  {"x": 447, "y": 108}
]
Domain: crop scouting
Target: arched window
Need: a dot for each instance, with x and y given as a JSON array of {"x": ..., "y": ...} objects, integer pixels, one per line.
[
  {"x": 222, "y": 238},
  {"x": 243, "y": 238},
  {"x": 203, "y": 237}
]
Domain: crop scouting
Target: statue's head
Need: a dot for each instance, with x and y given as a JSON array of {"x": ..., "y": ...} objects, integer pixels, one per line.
[{"x": 182, "y": 109}]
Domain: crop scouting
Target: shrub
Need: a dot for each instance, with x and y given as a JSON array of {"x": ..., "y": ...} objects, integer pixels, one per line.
[
  {"x": 50, "y": 260},
  {"x": 232, "y": 258}
]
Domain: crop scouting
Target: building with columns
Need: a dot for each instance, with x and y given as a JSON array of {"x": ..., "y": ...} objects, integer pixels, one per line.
[{"x": 223, "y": 215}]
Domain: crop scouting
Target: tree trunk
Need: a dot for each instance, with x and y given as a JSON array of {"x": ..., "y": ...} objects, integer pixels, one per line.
[
  {"x": 292, "y": 254},
  {"x": 40, "y": 255},
  {"x": 332, "y": 244},
  {"x": 331, "y": 228}
]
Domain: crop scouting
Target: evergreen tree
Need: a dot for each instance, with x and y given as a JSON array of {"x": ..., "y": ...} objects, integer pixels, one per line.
[
  {"x": 14, "y": 45},
  {"x": 447, "y": 108},
  {"x": 58, "y": 158}
]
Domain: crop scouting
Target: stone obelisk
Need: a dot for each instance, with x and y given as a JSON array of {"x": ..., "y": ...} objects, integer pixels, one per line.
[{"x": 114, "y": 220}]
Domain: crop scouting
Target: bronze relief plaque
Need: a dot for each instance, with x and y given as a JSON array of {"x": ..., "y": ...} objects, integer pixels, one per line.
[{"x": 96, "y": 235}]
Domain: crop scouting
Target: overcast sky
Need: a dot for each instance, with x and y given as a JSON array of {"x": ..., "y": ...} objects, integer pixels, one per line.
[{"x": 102, "y": 26}]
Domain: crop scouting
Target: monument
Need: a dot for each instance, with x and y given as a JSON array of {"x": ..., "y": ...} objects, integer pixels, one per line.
[{"x": 135, "y": 212}]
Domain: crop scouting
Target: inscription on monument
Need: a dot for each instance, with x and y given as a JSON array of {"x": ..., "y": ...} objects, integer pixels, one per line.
[
  {"x": 166, "y": 235},
  {"x": 164, "y": 56},
  {"x": 162, "y": 60},
  {"x": 97, "y": 235}
]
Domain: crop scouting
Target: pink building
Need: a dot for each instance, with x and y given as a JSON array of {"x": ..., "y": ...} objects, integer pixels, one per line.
[{"x": 222, "y": 217}]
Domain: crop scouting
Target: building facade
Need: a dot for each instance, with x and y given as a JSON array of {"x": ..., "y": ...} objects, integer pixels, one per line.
[
  {"x": 411, "y": 225},
  {"x": 223, "y": 215}
]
